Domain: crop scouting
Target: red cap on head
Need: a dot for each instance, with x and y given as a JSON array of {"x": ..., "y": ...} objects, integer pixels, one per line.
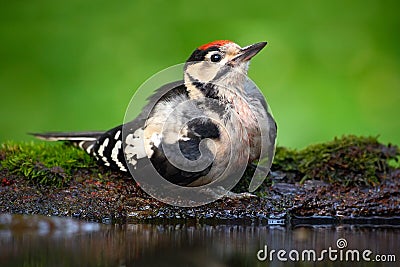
[{"x": 215, "y": 43}]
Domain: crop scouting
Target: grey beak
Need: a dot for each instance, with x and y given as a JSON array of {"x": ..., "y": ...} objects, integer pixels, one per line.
[{"x": 249, "y": 52}]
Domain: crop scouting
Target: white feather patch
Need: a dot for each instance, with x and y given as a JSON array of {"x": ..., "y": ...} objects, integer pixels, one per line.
[
  {"x": 67, "y": 138},
  {"x": 89, "y": 148},
  {"x": 117, "y": 134},
  {"x": 184, "y": 138},
  {"x": 114, "y": 155},
  {"x": 101, "y": 151},
  {"x": 135, "y": 147},
  {"x": 81, "y": 144},
  {"x": 156, "y": 139}
]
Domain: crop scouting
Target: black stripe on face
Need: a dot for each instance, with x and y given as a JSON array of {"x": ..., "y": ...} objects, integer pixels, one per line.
[
  {"x": 209, "y": 90},
  {"x": 200, "y": 55}
]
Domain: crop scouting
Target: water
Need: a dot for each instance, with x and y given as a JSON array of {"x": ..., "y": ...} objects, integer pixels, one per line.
[{"x": 53, "y": 241}]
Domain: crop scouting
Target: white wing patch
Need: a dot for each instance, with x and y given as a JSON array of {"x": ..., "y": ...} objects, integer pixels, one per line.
[
  {"x": 117, "y": 134},
  {"x": 114, "y": 155},
  {"x": 81, "y": 144},
  {"x": 156, "y": 139},
  {"x": 135, "y": 147},
  {"x": 101, "y": 151},
  {"x": 89, "y": 148}
]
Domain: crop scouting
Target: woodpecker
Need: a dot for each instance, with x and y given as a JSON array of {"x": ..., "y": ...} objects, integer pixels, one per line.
[{"x": 214, "y": 113}]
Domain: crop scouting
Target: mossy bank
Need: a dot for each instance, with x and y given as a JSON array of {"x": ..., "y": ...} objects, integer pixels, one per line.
[{"x": 348, "y": 177}]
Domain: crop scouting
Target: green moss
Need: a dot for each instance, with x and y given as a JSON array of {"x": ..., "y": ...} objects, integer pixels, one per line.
[
  {"x": 43, "y": 163},
  {"x": 394, "y": 162},
  {"x": 347, "y": 160}
]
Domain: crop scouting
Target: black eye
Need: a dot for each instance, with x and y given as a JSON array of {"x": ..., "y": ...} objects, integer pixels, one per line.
[{"x": 216, "y": 58}]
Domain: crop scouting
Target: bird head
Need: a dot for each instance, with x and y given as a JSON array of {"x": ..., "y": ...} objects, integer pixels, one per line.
[{"x": 220, "y": 61}]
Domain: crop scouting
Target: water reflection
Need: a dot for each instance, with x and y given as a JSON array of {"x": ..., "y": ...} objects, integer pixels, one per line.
[{"x": 52, "y": 241}]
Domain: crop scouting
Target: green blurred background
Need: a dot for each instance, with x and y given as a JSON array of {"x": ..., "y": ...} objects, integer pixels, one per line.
[{"x": 331, "y": 67}]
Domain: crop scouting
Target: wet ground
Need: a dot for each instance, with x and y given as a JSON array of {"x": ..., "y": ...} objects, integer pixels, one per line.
[{"x": 117, "y": 199}]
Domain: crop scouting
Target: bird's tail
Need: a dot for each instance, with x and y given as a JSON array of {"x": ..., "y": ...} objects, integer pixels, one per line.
[{"x": 84, "y": 140}]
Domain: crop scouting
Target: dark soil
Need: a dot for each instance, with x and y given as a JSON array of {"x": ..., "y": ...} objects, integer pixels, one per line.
[
  {"x": 117, "y": 199},
  {"x": 97, "y": 194}
]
